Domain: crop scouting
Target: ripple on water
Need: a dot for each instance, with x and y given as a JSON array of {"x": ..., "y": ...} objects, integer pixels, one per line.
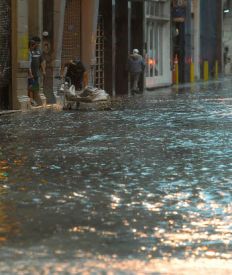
[{"x": 146, "y": 187}]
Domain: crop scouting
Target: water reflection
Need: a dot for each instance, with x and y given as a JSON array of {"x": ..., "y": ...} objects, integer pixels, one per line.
[
  {"x": 9, "y": 225},
  {"x": 147, "y": 184}
]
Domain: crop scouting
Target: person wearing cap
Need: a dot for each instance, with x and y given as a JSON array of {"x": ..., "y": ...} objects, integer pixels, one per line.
[{"x": 136, "y": 66}]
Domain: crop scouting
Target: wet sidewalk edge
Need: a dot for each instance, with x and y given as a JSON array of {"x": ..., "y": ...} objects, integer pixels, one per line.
[
  {"x": 8, "y": 112},
  {"x": 180, "y": 85}
]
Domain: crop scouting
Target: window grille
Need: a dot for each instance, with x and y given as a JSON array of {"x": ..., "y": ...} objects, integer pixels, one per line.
[
  {"x": 5, "y": 49},
  {"x": 100, "y": 58},
  {"x": 72, "y": 31}
]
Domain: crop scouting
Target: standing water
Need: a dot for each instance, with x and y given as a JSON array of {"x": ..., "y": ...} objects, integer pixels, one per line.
[{"x": 146, "y": 187}]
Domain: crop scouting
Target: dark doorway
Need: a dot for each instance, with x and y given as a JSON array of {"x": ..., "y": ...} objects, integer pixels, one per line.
[
  {"x": 5, "y": 54},
  {"x": 121, "y": 38},
  {"x": 47, "y": 47},
  {"x": 121, "y": 47},
  {"x": 137, "y": 40},
  {"x": 179, "y": 47}
]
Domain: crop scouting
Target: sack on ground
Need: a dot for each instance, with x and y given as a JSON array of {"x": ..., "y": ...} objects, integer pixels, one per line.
[
  {"x": 72, "y": 90},
  {"x": 94, "y": 94},
  {"x": 89, "y": 94}
]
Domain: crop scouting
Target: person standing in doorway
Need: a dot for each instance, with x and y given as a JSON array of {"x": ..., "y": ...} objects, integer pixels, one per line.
[
  {"x": 37, "y": 65},
  {"x": 136, "y": 66},
  {"x": 48, "y": 56},
  {"x": 30, "y": 74}
]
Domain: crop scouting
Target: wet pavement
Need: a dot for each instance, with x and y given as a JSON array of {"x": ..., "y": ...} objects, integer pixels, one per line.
[{"x": 144, "y": 188}]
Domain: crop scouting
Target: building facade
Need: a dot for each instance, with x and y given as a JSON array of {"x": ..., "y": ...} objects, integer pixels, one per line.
[
  {"x": 196, "y": 38},
  {"x": 211, "y": 34},
  {"x": 72, "y": 27},
  {"x": 227, "y": 37},
  {"x": 102, "y": 33}
]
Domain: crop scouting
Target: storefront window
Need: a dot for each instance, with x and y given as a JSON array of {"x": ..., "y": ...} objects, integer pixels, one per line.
[
  {"x": 154, "y": 49},
  {"x": 155, "y": 22},
  {"x": 155, "y": 8}
]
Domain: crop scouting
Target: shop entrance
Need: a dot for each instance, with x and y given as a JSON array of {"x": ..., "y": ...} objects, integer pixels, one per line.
[{"x": 179, "y": 48}]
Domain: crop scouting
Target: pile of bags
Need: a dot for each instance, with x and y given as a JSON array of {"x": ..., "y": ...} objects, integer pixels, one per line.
[{"x": 89, "y": 94}]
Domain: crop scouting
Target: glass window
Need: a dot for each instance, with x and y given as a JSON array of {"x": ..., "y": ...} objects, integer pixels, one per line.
[
  {"x": 155, "y": 20},
  {"x": 155, "y": 8},
  {"x": 154, "y": 48}
]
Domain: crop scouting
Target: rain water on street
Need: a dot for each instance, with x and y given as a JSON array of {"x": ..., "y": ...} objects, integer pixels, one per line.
[{"x": 144, "y": 187}]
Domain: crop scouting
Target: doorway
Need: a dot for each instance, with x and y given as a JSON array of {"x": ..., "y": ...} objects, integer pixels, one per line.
[
  {"x": 179, "y": 47},
  {"x": 5, "y": 54}
]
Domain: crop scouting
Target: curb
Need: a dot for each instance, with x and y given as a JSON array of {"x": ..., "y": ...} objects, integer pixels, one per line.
[{"x": 8, "y": 112}]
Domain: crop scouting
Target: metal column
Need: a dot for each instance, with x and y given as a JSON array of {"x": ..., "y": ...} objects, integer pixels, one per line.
[
  {"x": 113, "y": 47},
  {"x": 129, "y": 41}
]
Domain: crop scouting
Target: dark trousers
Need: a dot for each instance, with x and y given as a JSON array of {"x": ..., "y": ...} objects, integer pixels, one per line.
[{"x": 135, "y": 81}]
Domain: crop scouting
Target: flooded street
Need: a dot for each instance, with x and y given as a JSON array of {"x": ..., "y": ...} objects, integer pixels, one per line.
[{"x": 144, "y": 188}]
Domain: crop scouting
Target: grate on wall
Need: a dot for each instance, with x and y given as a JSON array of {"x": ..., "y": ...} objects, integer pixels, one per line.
[
  {"x": 100, "y": 58},
  {"x": 72, "y": 31}
]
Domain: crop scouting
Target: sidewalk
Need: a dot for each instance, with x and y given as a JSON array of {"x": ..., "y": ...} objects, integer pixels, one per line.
[
  {"x": 199, "y": 82},
  {"x": 7, "y": 112}
]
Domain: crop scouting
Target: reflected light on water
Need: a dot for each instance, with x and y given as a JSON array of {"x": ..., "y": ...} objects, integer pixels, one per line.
[
  {"x": 155, "y": 193},
  {"x": 115, "y": 201},
  {"x": 8, "y": 226},
  {"x": 4, "y": 167},
  {"x": 82, "y": 229},
  {"x": 152, "y": 207},
  {"x": 113, "y": 265}
]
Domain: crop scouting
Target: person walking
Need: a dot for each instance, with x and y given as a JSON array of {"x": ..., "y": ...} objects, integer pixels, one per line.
[{"x": 136, "y": 66}]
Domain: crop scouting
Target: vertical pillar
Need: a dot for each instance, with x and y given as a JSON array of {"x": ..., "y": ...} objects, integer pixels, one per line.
[
  {"x": 35, "y": 17},
  {"x": 220, "y": 34},
  {"x": 35, "y": 26},
  {"x": 176, "y": 71},
  {"x": 206, "y": 70},
  {"x": 39, "y": 23},
  {"x": 192, "y": 69},
  {"x": 216, "y": 70},
  {"x": 20, "y": 63},
  {"x": 113, "y": 46},
  {"x": 143, "y": 44},
  {"x": 59, "y": 12},
  {"x": 89, "y": 12},
  {"x": 129, "y": 41},
  {"x": 40, "y": 17},
  {"x": 196, "y": 33},
  {"x": 46, "y": 23}
]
